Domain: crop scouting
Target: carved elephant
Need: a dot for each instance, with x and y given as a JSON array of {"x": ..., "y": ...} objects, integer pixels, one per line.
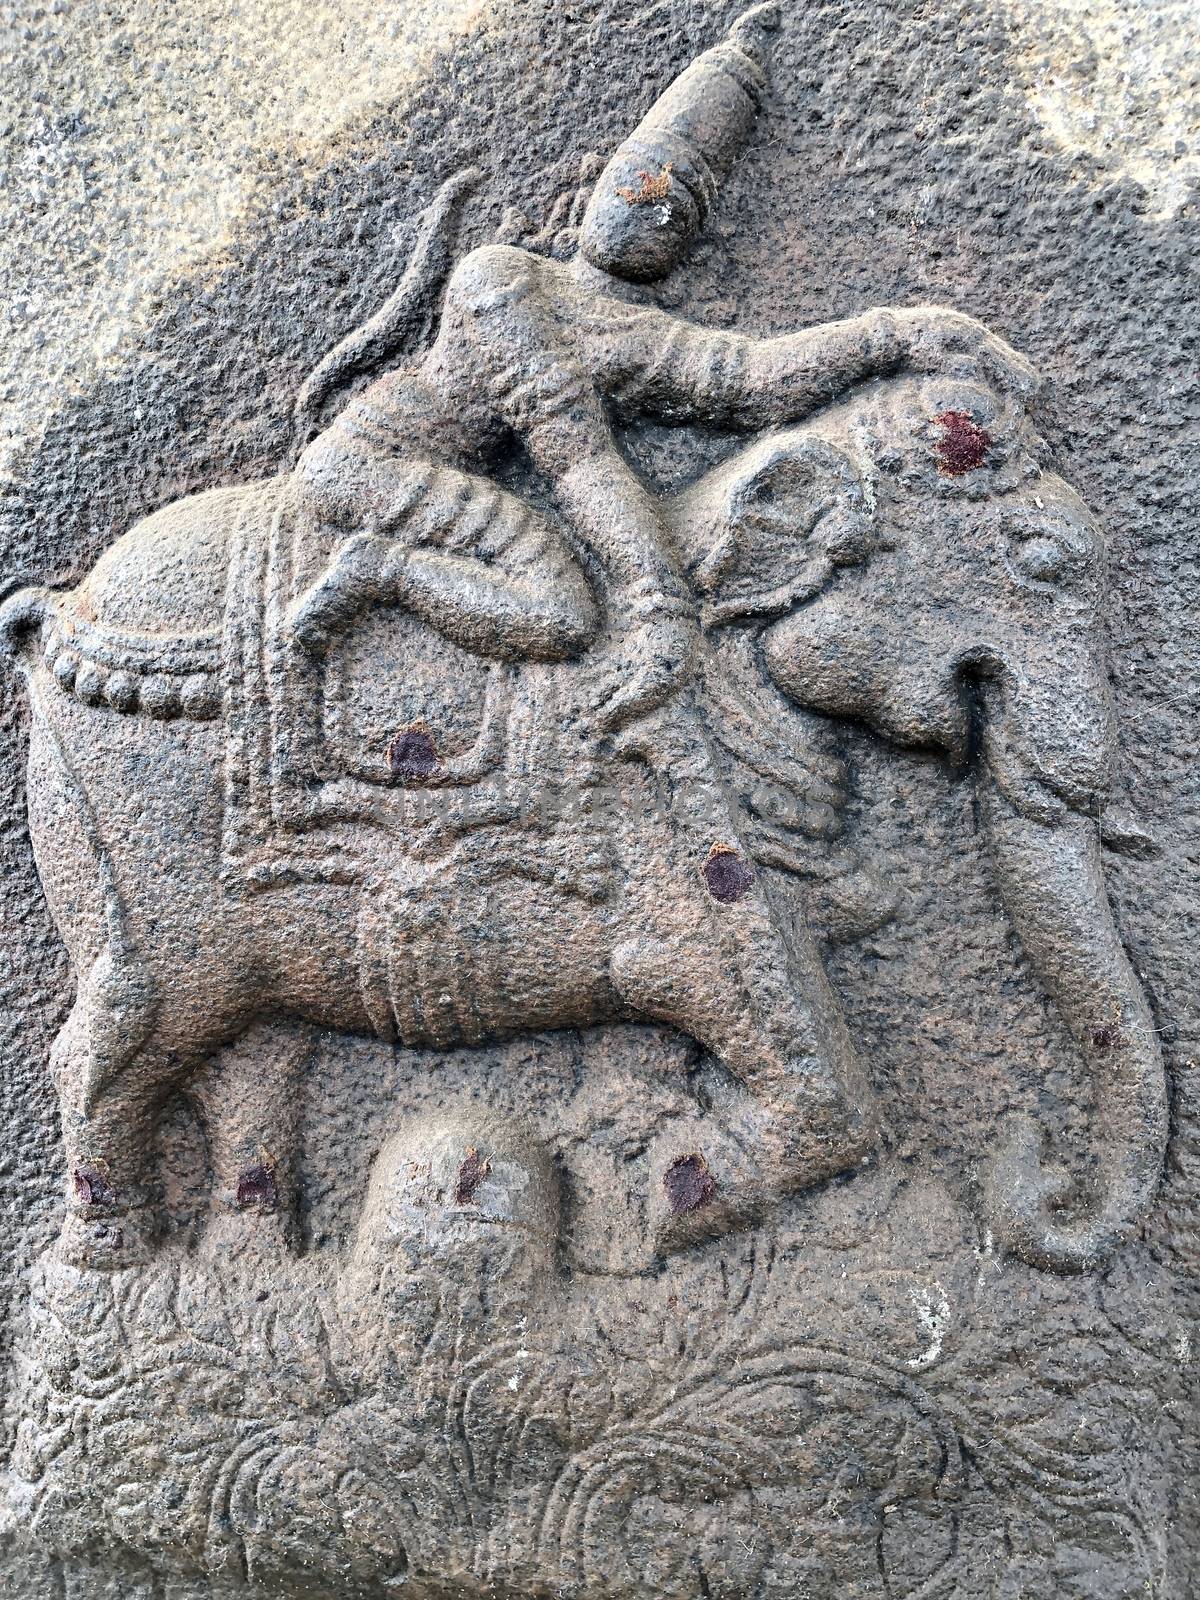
[
  {"x": 855, "y": 566},
  {"x": 976, "y": 629}
]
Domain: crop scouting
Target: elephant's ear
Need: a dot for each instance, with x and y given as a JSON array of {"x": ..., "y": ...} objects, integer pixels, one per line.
[{"x": 764, "y": 532}]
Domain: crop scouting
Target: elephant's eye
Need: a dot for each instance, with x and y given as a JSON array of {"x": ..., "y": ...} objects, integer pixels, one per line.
[
  {"x": 782, "y": 501},
  {"x": 1040, "y": 557},
  {"x": 1040, "y": 544}
]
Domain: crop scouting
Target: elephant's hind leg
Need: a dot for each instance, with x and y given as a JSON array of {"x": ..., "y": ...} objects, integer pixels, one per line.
[
  {"x": 249, "y": 1101},
  {"x": 104, "y": 1063}
]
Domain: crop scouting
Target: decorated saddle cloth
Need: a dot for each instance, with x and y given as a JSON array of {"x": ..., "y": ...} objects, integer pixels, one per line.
[{"x": 392, "y": 756}]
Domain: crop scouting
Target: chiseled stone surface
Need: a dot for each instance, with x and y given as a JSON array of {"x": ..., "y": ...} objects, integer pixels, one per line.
[{"x": 574, "y": 996}]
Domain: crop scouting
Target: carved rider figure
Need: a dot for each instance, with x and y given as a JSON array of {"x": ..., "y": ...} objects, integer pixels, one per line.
[
  {"x": 553, "y": 357},
  {"x": 548, "y": 359}
]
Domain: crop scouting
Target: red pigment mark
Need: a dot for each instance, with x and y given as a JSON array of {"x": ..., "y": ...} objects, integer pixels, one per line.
[
  {"x": 727, "y": 875},
  {"x": 653, "y": 189},
  {"x": 1107, "y": 1037},
  {"x": 688, "y": 1184},
  {"x": 412, "y": 753},
  {"x": 256, "y": 1186},
  {"x": 963, "y": 445},
  {"x": 470, "y": 1175},
  {"x": 92, "y": 1187}
]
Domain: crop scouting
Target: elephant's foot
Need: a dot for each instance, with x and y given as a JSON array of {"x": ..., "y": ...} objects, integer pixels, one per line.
[
  {"x": 804, "y": 1111},
  {"x": 704, "y": 1182},
  {"x": 254, "y": 1213},
  {"x": 107, "y": 1239},
  {"x": 245, "y": 1235},
  {"x": 717, "y": 1174}
]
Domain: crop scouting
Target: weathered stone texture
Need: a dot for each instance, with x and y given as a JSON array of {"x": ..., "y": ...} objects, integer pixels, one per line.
[{"x": 200, "y": 202}]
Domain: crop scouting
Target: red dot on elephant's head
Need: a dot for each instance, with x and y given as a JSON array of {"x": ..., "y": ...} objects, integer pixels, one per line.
[{"x": 963, "y": 445}]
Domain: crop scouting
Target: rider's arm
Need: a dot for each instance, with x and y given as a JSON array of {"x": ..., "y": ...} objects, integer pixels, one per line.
[
  {"x": 652, "y": 363},
  {"x": 655, "y": 364}
]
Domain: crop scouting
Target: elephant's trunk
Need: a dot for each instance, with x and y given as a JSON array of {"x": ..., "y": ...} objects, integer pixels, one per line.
[{"x": 1053, "y": 888}]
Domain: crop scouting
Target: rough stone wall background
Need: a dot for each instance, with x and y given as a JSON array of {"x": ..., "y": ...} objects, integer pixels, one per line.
[{"x": 201, "y": 202}]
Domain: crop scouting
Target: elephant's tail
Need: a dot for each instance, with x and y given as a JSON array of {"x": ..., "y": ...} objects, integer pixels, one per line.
[{"x": 22, "y": 615}]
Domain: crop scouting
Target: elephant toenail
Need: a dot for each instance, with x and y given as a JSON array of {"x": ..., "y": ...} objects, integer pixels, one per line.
[
  {"x": 727, "y": 874},
  {"x": 92, "y": 1187},
  {"x": 689, "y": 1185},
  {"x": 256, "y": 1188}
]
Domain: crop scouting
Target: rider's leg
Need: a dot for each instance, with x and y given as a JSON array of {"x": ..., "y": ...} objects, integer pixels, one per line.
[{"x": 467, "y": 557}]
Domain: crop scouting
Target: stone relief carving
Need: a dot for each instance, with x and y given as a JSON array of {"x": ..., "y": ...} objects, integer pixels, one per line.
[
  {"x": 437, "y": 1417},
  {"x": 463, "y": 729}
]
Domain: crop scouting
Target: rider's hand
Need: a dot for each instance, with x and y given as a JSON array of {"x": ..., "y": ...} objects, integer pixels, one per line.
[{"x": 934, "y": 340}]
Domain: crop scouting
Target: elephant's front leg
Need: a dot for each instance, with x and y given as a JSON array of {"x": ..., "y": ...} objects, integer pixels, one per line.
[{"x": 711, "y": 952}]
